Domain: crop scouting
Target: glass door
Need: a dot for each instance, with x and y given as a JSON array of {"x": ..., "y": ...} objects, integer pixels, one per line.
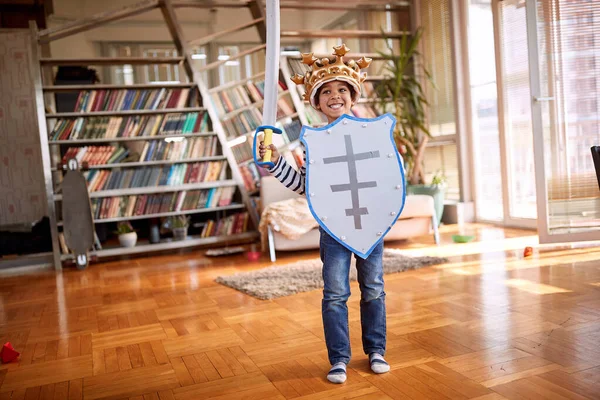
[
  {"x": 484, "y": 111},
  {"x": 514, "y": 104},
  {"x": 564, "y": 52},
  {"x": 501, "y": 113}
]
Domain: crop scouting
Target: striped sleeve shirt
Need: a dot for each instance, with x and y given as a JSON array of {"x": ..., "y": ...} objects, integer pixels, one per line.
[{"x": 287, "y": 175}]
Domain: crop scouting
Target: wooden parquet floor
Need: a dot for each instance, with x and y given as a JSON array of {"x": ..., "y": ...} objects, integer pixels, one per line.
[{"x": 488, "y": 325}]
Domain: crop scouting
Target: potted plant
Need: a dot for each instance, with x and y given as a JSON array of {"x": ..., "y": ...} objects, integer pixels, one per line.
[
  {"x": 127, "y": 235},
  {"x": 179, "y": 226},
  {"x": 436, "y": 189},
  {"x": 402, "y": 94}
]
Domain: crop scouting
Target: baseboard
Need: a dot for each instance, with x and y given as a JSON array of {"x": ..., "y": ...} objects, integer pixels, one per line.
[{"x": 39, "y": 260}]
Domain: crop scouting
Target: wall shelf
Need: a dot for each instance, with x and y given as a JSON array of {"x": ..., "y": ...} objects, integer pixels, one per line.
[
  {"x": 154, "y": 189},
  {"x": 123, "y": 113},
  {"x": 191, "y": 241}
]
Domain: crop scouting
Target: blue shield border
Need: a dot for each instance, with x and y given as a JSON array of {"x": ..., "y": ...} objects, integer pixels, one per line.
[{"x": 366, "y": 254}]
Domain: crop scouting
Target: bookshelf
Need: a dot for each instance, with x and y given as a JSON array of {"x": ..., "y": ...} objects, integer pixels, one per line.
[{"x": 152, "y": 150}]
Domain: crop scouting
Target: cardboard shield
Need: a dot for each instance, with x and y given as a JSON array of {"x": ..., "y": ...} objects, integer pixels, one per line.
[{"x": 355, "y": 184}]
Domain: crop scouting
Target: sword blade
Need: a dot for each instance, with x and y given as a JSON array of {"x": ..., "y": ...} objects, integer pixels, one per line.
[{"x": 272, "y": 63}]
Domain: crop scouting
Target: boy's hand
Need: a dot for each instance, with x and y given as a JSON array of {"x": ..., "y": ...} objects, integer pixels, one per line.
[{"x": 262, "y": 149}]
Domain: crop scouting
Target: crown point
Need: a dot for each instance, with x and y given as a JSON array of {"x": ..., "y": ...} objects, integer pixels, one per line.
[
  {"x": 325, "y": 61},
  {"x": 308, "y": 58},
  {"x": 364, "y": 62},
  {"x": 341, "y": 50},
  {"x": 297, "y": 79}
]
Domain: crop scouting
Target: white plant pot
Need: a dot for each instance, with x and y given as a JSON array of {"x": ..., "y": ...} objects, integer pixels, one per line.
[{"x": 128, "y": 239}]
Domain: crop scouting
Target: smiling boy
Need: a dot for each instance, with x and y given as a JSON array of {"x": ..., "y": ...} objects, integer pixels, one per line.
[{"x": 333, "y": 87}]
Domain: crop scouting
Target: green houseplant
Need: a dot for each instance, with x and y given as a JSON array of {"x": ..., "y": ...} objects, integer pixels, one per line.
[
  {"x": 402, "y": 94},
  {"x": 179, "y": 226}
]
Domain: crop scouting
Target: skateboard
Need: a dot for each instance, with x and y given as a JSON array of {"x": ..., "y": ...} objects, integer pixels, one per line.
[
  {"x": 596, "y": 157},
  {"x": 78, "y": 222}
]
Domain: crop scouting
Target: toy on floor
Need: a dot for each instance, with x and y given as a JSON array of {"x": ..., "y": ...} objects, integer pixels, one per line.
[
  {"x": 253, "y": 254},
  {"x": 8, "y": 353},
  {"x": 528, "y": 251},
  {"x": 462, "y": 238}
]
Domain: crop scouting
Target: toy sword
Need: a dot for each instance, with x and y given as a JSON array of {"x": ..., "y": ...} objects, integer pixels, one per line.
[{"x": 271, "y": 84}]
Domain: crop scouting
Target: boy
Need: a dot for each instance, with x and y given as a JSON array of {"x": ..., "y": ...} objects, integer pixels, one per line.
[{"x": 334, "y": 93}]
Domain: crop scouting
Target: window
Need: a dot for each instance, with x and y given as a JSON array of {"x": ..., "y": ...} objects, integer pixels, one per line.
[
  {"x": 155, "y": 73},
  {"x": 199, "y": 60},
  {"x": 442, "y": 159},
  {"x": 583, "y": 17},
  {"x": 161, "y": 73},
  {"x": 325, "y": 46},
  {"x": 435, "y": 19},
  {"x": 437, "y": 55},
  {"x": 121, "y": 74},
  {"x": 230, "y": 71}
]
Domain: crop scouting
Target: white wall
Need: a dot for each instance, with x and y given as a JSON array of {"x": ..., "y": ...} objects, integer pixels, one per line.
[{"x": 22, "y": 193}]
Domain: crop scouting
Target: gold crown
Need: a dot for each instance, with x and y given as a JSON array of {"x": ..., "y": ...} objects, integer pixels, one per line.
[{"x": 326, "y": 70}]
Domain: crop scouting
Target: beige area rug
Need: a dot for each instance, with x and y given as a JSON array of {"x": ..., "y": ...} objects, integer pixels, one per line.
[{"x": 302, "y": 276}]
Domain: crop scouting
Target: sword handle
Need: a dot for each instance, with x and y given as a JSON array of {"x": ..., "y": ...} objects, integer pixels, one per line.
[
  {"x": 268, "y": 132},
  {"x": 268, "y": 140}
]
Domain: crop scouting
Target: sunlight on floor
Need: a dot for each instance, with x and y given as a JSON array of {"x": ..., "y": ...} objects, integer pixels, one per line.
[
  {"x": 462, "y": 249},
  {"x": 535, "y": 288},
  {"x": 463, "y": 271}
]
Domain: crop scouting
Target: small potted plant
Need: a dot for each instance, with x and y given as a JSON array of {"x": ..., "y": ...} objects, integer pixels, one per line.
[
  {"x": 179, "y": 225},
  {"x": 437, "y": 190},
  {"x": 127, "y": 236}
]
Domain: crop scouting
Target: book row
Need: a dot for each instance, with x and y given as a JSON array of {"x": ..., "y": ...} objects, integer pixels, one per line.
[
  {"x": 148, "y": 204},
  {"x": 177, "y": 174},
  {"x": 131, "y": 99},
  {"x": 230, "y": 225},
  {"x": 179, "y": 149},
  {"x": 130, "y": 126},
  {"x": 96, "y": 155},
  {"x": 251, "y": 174}
]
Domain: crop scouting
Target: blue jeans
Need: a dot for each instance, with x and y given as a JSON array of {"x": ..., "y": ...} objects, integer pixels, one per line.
[{"x": 336, "y": 268}]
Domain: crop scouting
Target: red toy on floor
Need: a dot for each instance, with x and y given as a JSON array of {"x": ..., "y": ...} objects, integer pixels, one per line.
[{"x": 8, "y": 354}]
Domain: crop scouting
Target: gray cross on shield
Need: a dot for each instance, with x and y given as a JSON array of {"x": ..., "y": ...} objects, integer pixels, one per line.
[
  {"x": 353, "y": 186},
  {"x": 355, "y": 183}
]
